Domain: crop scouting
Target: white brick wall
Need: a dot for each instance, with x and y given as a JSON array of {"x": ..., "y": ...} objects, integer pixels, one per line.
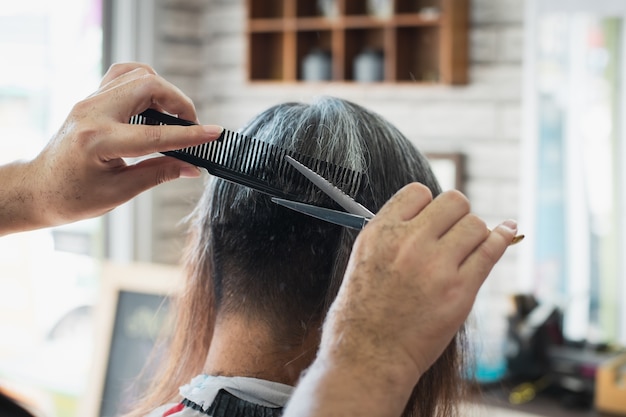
[
  {"x": 497, "y": 11},
  {"x": 201, "y": 47}
]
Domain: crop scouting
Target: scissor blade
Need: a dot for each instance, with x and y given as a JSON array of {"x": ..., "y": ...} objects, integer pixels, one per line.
[
  {"x": 333, "y": 192},
  {"x": 352, "y": 221}
]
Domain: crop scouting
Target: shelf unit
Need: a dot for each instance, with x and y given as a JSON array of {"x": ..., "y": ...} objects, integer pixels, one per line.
[{"x": 421, "y": 41}]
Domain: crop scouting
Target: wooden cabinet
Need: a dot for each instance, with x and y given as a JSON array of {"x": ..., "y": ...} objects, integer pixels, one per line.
[{"x": 417, "y": 41}]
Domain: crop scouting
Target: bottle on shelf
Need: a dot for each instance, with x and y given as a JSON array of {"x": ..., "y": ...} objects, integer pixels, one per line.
[
  {"x": 328, "y": 8},
  {"x": 316, "y": 65},
  {"x": 368, "y": 66},
  {"x": 382, "y": 9}
]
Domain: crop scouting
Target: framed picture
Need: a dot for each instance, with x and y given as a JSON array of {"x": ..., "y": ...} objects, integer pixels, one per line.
[
  {"x": 449, "y": 169},
  {"x": 130, "y": 317}
]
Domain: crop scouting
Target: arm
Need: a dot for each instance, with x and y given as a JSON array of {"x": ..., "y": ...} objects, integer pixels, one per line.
[
  {"x": 81, "y": 174},
  {"x": 411, "y": 282}
]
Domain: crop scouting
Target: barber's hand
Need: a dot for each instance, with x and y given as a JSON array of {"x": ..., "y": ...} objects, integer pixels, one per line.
[
  {"x": 411, "y": 281},
  {"x": 81, "y": 173},
  {"x": 413, "y": 276}
]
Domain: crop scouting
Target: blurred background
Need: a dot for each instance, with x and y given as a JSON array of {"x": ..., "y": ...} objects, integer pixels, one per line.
[{"x": 518, "y": 103}]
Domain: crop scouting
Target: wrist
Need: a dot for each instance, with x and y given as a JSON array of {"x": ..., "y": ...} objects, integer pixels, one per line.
[
  {"x": 20, "y": 209},
  {"x": 386, "y": 375},
  {"x": 353, "y": 337},
  {"x": 361, "y": 354},
  {"x": 343, "y": 382}
]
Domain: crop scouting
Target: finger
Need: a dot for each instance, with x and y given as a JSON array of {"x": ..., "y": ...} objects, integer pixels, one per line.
[
  {"x": 119, "y": 81},
  {"x": 407, "y": 203},
  {"x": 444, "y": 212},
  {"x": 464, "y": 237},
  {"x": 152, "y": 172},
  {"x": 123, "y": 79},
  {"x": 119, "y": 69},
  {"x": 139, "y": 140},
  {"x": 479, "y": 263},
  {"x": 148, "y": 91}
]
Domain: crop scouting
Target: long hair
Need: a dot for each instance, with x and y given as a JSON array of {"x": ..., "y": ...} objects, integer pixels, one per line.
[{"x": 249, "y": 256}]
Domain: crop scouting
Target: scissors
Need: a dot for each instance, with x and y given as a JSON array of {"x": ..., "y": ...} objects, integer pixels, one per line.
[{"x": 357, "y": 215}]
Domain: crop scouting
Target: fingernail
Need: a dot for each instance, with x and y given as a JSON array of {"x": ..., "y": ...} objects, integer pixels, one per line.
[
  {"x": 213, "y": 130},
  {"x": 511, "y": 224},
  {"x": 517, "y": 239},
  {"x": 189, "y": 171}
]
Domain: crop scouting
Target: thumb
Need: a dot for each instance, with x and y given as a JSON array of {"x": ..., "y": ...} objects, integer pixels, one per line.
[{"x": 154, "y": 171}]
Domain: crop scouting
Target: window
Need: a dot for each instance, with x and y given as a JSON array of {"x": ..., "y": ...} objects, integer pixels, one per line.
[
  {"x": 52, "y": 58},
  {"x": 575, "y": 186}
]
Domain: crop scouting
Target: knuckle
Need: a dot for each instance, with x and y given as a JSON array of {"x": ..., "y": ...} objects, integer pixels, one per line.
[
  {"x": 489, "y": 255},
  {"x": 412, "y": 193},
  {"x": 457, "y": 198},
  {"x": 86, "y": 135},
  {"x": 151, "y": 77},
  {"x": 80, "y": 131},
  {"x": 163, "y": 175},
  {"x": 120, "y": 68},
  {"x": 154, "y": 137},
  {"x": 417, "y": 188},
  {"x": 476, "y": 222},
  {"x": 151, "y": 81},
  {"x": 143, "y": 68},
  {"x": 82, "y": 108},
  {"x": 148, "y": 83}
]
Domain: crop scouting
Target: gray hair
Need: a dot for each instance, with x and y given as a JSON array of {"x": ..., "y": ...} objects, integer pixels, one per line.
[{"x": 269, "y": 260}]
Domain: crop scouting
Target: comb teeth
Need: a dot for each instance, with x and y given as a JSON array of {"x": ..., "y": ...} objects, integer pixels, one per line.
[{"x": 256, "y": 164}]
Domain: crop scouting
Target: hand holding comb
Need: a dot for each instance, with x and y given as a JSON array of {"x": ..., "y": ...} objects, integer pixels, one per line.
[{"x": 254, "y": 163}]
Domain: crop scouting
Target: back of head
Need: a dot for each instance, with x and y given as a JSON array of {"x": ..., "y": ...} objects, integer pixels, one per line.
[
  {"x": 250, "y": 257},
  {"x": 271, "y": 262}
]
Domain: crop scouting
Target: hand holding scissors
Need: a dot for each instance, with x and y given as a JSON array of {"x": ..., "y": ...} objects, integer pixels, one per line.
[{"x": 411, "y": 282}]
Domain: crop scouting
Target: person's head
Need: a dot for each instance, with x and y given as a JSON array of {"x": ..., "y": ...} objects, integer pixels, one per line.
[
  {"x": 267, "y": 261},
  {"x": 251, "y": 258}
]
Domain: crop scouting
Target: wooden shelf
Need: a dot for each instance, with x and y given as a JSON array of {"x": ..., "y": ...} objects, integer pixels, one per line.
[{"x": 420, "y": 41}]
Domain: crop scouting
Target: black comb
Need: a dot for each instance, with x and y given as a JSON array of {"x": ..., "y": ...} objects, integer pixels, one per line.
[{"x": 254, "y": 163}]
